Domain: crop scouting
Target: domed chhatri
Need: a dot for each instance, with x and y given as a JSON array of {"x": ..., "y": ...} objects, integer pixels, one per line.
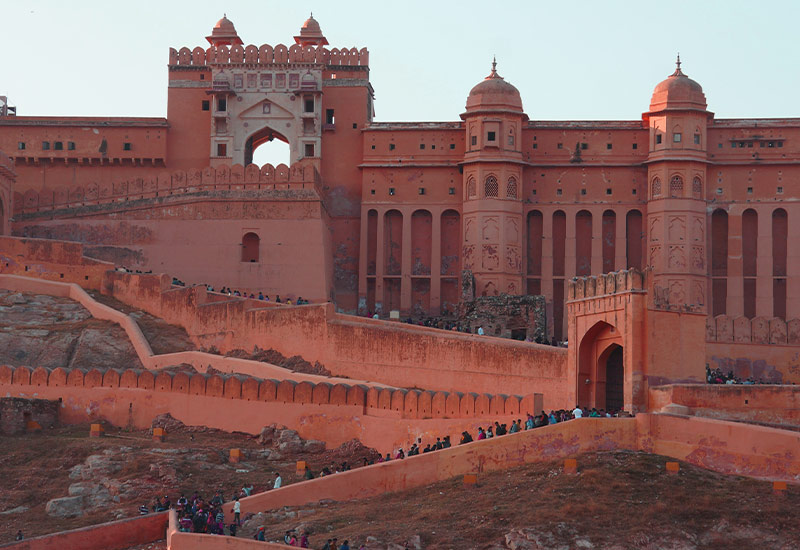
[
  {"x": 494, "y": 93},
  {"x": 678, "y": 92},
  {"x": 224, "y": 33},
  {"x": 311, "y": 34}
]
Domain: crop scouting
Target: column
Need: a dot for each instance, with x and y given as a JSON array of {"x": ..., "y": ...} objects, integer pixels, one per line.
[
  {"x": 405, "y": 266},
  {"x": 436, "y": 261},
  {"x": 735, "y": 302},
  {"x": 792, "y": 263},
  {"x": 597, "y": 241},
  {"x": 621, "y": 244},
  {"x": 380, "y": 261},
  {"x": 764, "y": 263}
]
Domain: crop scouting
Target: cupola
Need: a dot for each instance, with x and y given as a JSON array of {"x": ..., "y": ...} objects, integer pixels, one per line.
[
  {"x": 678, "y": 92},
  {"x": 494, "y": 93},
  {"x": 224, "y": 33},
  {"x": 311, "y": 34}
]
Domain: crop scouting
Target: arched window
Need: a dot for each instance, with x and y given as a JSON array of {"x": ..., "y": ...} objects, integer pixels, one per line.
[
  {"x": 656, "y": 187},
  {"x": 511, "y": 188},
  {"x": 471, "y": 190},
  {"x": 250, "y": 245},
  {"x": 697, "y": 188},
  {"x": 676, "y": 186},
  {"x": 490, "y": 187}
]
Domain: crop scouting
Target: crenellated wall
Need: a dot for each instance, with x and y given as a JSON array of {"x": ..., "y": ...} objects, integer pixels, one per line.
[
  {"x": 267, "y": 55},
  {"x": 300, "y": 176}
]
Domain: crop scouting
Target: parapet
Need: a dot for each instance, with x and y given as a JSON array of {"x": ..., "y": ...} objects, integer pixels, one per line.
[
  {"x": 267, "y": 55},
  {"x": 759, "y": 330},
  {"x": 301, "y": 175},
  {"x": 615, "y": 282}
]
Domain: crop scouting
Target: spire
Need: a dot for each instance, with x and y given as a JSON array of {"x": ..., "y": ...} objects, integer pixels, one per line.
[
  {"x": 494, "y": 74},
  {"x": 678, "y": 71}
]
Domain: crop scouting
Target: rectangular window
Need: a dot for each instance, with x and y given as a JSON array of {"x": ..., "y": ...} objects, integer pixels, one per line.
[
  {"x": 779, "y": 190},
  {"x": 309, "y": 149},
  {"x": 560, "y": 146},
  {"x": 733, "y": 145},
  {"x": 750, "y": 144},
  {"x": 371, "y": 191},
  {"x": 490, "y": 136},
  {"x": 633, "y": 191},
  {"x": 583, "y": 191},
  {"x": 608, "y": 191},
  {"x": 535, "y": 145},
  {"x": 205, "y": 105},
  {"x": 762, "y": 144},
  {"x": 474, "y": 140},
  {"x": 391, "y": 190},
  {"x": 45, "y": 146},
  {"x": 658, "y": 138},
  {"x": 558, "y": 192},
  {"x": 421, "y": 146},
  {"x": 584, "y": 146},
  {"x": 21, "y": 146},
  {"x": 222, "y": 150},
  {"x": 391, "y": 146},
  {"x": 70, "y": 145},
  {"x": 780, "y": 144},
  {"x": 238, "y": 81},
  {"x": 452, "y": 146},
  {"x": 266, "y": 81},
  {"x": 771, "y": 144},
  {"x": 697, "y": 139},
  {"x": 373, "y": 147},
  {"x": 609, "y": 146},
  {"x": 511, "y": 140},
  {"x": 329, "y": 117},
  {"x": 58, "y": 146},
  {"x": 635, "y": 146},
  {"x": 749, "y": 190},
  {"x": 676, "y": 137},
  {"x": 308, "y": 105},
  {"x": 451, "y": 191},
  {"x": 421, "y": 191},
  {"x": 126, "y": 146},
  {"x": 222, "y": 105}
]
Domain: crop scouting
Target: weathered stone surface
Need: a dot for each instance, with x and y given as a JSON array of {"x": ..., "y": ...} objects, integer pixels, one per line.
[
  {"x": 312, "y": 446},
  {"x": 65, "y": 507}
]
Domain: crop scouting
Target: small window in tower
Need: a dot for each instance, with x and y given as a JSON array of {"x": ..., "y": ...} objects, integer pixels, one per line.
[
  {"x": 421, "y": 191},
  {"x": 560, "y": 145},
  {"x": 452, "y": 146},
  {"x": 658, "y": 138},
  {"x": 771, "y": 144},
  {"x": 391, "y": 146},
  {"x": 45, "y": 146},
  {"x": 58, "y": 146},
  {"x": 421, "y": 146},
  {"x": 490, "y": 187},
  {"x": 511, "y": 140},
  {"x": 373, "y": 147},
  {"x": 126, "y": 146},
  {"x": 371, "y": 191},
  {"x": 635, "y": 146},
  {"x": 309, "y": 149},
  {"x": 558, "y": 192},
  {"x": 21, "y": 146},
  {"x": 433, "y": 146},
  {"x": 535, "y": 145},
  {"x": 608, "y": 191},
  {"x": 205, "y": 105},
  {"x": 451, "y": 191},
  {"x": 70, "y": 146},
  {"x": 391, "y": 190},
  {"x": 355, "y": 126},
  {"x": 633, "y": 191},
  {"x": 583, "y": 191},
  {"x": 733, "y": 145},
  {"x": 533, "y": 191},
  {"x": 584, "y": 146},
  {"x": 779, "y": 190},
  {"x": 222, "y": 150},
  {"x": 308, "y": 104},
  {"x": 329, "y": 116},
  {"x": 749, "y": 190},
  {"x": 697, "y": 139},
  {"x": 222, "y": 104},
  {"x": 202, "y": 76},
  {"x": 750, "y": 144},
  {"x": 676, "y": 137},
  {"x": 780, "y": 144},
  {"x": 719, "y": 146},
  {"x": 491, "y": 136},
  {"x": 609, "y": 146},
  {"x": 474, "y": 140}
]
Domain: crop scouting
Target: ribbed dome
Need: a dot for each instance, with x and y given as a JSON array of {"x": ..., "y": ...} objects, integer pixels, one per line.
[
  {"x": 224, "y": 33},
  {"x": 494, "y": 93},
  {"x": 311, "y": 34},
  {"x": 678, "y": 92}
]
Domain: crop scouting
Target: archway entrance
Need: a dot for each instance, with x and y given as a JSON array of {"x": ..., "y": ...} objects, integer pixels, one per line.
[
  {"x": 615, "y": 378},
  {"x": 267, "y": 146}
]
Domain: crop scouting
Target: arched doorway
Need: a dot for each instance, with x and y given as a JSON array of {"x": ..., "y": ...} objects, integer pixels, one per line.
[
  {"x": 250, "y": 247},
  {"x": 271, "y": 147},
  {"x": 615, "y": 380}
]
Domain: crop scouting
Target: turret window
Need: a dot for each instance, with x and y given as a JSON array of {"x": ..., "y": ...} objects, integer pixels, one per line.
[
  {"x": 658, "y": 138},
  {"x": 676, "y": 186},
  {"x": 697, "y": 139},
  {"x": 471, "y": 191},
  {"x": 491, "y": 136},
  {"x": 491, "y": 187},
  {"x": 676, "y": 137},
  {"x": 697, "y": 188},
  {"x": 656, "y": 187},
  {"x": 511, "y": 188}
]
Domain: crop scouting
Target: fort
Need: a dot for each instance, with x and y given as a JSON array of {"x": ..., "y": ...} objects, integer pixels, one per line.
[{"x": 655, "y": 249}]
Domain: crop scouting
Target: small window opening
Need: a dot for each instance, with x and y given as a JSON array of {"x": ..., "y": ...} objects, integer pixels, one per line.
[
  {"x": 250, "y": 246},
  {"x": 676, "y": 137},
  {"x": 58, "y": 146},
  {"x": 608, "y": 191},
  {"x": 584, "y": 146},
  {"x": 697, "y": 139},
  {"x": 21, "y": 145},
  {"x": 635, "y": 146},
  {"x": 474, "y": 140},
  {"x": 658, "y": 138},
  {"x": 779, "y": 190},
  {"x": 421, "y": 146},
  {"x": 45, "y": 146},
  {"x": 70, "y": 146},
  {"x": 126, "y": 146},
  {"x": 609, "y": 146},
  {"x": 452, "y": 146},
  {"x": 391, "y": 190},
  {"x": 309, "y": 149},
  {"x": 583, "y": 191},
  {"x": 373, "y": 147},
  {"x": 329, "y": 116},
  {"x": 391, "y": 146},
  {"x": 749, "y": 190},
  {"x": 308, "y": 105},
  {"x": 535, "y": 145},
  {"x": 421, "y": 191},
  {"x": 491, "y": 136},
  {"x": 355, "y": 126},
  {"x": 558, "y": 192},
  {"x": 451, "y": 191},
  {"x": 205, "y": 105},
  {"x": 222, "y": 150},
  {"x": 222, "y": 104},
  {"x": 560, "y": 145}
]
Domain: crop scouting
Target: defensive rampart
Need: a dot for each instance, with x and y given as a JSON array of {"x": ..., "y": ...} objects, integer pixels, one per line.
[
  {"x": 267, "y": 55},
  {"x": 298, "y": 181},
  {"x": 775, "y": 405}
]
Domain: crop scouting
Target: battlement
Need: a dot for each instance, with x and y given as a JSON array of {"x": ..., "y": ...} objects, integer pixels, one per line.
[
  {"x": 615, "y": 282},
  {"x": 301, "y": 175},
  {"x": 267, "y": 55},
  {"x": 759, "y": 330}
]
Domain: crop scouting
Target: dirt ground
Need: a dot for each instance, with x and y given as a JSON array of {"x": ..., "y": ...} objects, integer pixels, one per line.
[{"x": 618, "y": 500}]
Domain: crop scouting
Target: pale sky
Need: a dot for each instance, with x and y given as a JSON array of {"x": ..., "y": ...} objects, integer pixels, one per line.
[{"x": 571, "y": 60}]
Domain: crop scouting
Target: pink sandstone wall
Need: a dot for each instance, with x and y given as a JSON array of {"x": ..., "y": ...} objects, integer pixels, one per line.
[
  {"x": 381, "y": 418},
  {"x": 115, "y": 535},
  {"x": 769, "y": 404}
]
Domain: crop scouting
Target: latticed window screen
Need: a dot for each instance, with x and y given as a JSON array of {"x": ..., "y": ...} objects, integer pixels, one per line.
[
  {"x": 511, "y": 188},
  {"x": 471, "y": 192},
  {"x": 697, "y": 188},
  {"x": 676, "y": 186},
  {"x": 490, "y": 187},
  {"x": 656, "y": 187}
]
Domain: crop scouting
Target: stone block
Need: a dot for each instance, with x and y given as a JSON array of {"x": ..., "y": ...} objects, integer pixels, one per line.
[{"x": 65, "y": 507}]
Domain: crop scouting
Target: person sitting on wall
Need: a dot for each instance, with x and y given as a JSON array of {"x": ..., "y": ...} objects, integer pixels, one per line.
[
  {"x": 514, "y": 427},
  {"x": 489, "y": 433},
  {"x": 144, "y": 510},
  {"x": 278, "y": 481},
  {"x": 481, "y": 433},
  {"x": 277, "y": 298},
  {"x": 288, "y": 301},
  {"x": 577, "y": 412},
  {"x": 260, "y": 534},
  {"x": 480, "y": 331},
  {"x": 465, "y": 438},
  {"x": 427, "y": 448}
]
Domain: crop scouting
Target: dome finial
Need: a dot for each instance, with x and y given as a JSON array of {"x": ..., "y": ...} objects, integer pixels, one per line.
[{"x": 678, "y": 71}]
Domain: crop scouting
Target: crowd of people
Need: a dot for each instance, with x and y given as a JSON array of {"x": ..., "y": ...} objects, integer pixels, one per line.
[
  {"x": 260, "y": 296},
  {"x": 717, "y": 376}
]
